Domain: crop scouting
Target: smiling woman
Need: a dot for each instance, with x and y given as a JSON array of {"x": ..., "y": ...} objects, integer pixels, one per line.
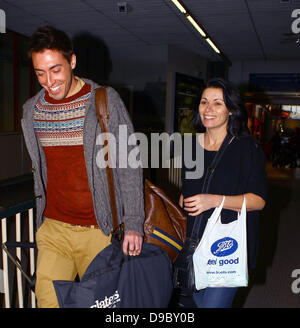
[
  {"x": 240, "y": 174},
  {"x": 214, "y": 116},
  {"x": 230, "y": 97}
]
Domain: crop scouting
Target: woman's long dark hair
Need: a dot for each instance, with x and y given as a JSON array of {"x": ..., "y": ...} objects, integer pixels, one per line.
[{"x": 237, "y": 122}]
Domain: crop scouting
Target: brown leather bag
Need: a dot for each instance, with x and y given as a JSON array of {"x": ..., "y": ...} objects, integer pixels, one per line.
[{"x": 165, "y": 223}]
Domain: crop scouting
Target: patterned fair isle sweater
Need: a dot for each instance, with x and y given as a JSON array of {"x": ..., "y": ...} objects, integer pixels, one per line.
[{"x": 59, "y": 126}]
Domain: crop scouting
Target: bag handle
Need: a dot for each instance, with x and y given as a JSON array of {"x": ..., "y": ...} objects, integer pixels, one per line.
[
  {"x": 103, "y": 117},
  {"x": 243, "y": 209}
]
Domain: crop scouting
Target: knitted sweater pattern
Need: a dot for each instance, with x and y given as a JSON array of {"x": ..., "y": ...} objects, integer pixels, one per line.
[{"x": 61, "y": 124}]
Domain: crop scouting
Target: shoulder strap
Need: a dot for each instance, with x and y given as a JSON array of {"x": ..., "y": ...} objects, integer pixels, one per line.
[
  {"x": 198, "y": 222},
  {"x": 211, "y": 169},
  {"x": 103, "y": 117}
]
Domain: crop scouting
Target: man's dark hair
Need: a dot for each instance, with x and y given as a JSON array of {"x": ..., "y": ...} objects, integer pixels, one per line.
[
  {"x": 48, "y": 37},
  {"x": 237, "y": 123}
]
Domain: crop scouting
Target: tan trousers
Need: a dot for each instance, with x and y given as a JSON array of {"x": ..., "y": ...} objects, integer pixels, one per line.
[{"x": 64, "y": 251}]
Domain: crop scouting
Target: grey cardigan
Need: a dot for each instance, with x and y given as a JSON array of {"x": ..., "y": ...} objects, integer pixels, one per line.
[{"x": 128, "y": 181}]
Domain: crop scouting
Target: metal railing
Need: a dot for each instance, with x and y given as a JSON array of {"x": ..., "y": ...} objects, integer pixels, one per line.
[
  {"x": 169, "y": 179},
  {"x": 174, "y": 173},
  {"x": 17, "y": 281}
]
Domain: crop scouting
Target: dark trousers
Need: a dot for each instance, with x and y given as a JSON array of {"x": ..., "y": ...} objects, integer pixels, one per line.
[
  {"x": 205, "y": 298},
  {"x": 215, "y": 297}
]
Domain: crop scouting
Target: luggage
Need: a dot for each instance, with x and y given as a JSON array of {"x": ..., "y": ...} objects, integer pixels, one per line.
[{"x": 115, "y": 280}]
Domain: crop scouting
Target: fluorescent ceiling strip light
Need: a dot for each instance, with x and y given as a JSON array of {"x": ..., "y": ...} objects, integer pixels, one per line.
[
  {"x": 212, "y": 45},
  {"x": 197, "y": 27},
  {"x": 194, "y": 23},
  {"x": 179, "y": 6}
]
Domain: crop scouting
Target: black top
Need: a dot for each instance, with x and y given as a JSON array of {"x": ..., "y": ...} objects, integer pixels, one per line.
[{"x": 241, "y": 170}]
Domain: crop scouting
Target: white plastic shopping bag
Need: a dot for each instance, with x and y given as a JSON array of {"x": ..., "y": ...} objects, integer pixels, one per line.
[{"x": 220, "y": 260}]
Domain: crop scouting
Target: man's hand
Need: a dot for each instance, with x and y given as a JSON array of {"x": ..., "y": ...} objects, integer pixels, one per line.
[{"x": 132, "y": 243}]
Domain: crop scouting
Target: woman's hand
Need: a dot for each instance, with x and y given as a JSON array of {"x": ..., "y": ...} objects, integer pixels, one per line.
[{"x": 199, "y": 203}]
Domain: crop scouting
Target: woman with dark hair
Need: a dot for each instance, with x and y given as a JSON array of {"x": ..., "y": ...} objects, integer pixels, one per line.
[
  {"x": 237, "y": 122},
  {"x": 240, "y": 173}
]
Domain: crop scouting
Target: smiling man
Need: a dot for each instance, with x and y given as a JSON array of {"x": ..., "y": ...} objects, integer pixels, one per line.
[
  {"x": 60, "y": 128},
  {"x": 55, "y": 72}
]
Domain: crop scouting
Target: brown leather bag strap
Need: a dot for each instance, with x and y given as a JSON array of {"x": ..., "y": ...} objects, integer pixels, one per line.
[{"x": 103, "y": 117}]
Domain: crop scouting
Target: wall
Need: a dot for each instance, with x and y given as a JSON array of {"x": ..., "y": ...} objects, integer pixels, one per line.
[
  {"x": 181, "y": 61},
  {"x": 143, "y": 67},
  {"x": 14, "y": 157},
  {"x": 138, "y": 66},
  {"x": 16, "y": 83},
  {"x": 142, "y": 71},
  {"x": 146, "y": 72},
  {"x": 16, "y": 86}
]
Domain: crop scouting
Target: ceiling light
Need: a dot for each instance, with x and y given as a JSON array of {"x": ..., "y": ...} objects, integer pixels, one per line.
[
  {"x": 179, "y": 6},
  {"x": 212, "y": 45},
  {"x": 197, "y": 27}
]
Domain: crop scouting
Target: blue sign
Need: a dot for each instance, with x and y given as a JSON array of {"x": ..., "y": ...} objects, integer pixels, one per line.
[{"x": 274, "y": 82}]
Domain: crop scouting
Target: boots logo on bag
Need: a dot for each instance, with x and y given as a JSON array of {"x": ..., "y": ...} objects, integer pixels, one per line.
[
  {"x": 224, "y": 247},
  {"x": 108, "y": 302}
]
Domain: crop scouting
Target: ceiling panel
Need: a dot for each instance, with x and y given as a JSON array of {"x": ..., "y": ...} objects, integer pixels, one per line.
[
  {"x": 270, "y": 6},
  {"x": 216, "y": 8},
  {"x": 51, "y": 6},
  {"x": 242, "y": 29}
]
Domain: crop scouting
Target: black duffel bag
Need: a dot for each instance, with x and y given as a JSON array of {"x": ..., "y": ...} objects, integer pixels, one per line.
[{"x": 115, "y": 280}]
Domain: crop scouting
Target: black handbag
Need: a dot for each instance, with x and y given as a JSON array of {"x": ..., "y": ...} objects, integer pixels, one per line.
[{"x": 184, "y": 275}]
